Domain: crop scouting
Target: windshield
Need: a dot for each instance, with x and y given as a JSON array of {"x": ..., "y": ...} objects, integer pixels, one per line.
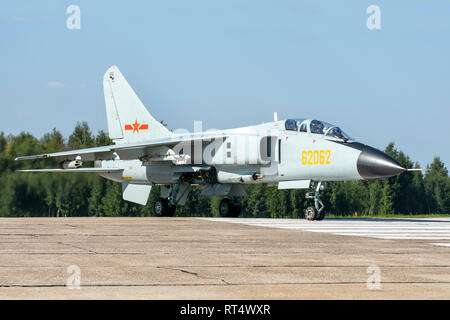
[
  {"x": 328, "y": 129},
  {"x": 336, "y": 132},
  {"x": 291, "y": 124},
  {"x": 316, "y": 127}
]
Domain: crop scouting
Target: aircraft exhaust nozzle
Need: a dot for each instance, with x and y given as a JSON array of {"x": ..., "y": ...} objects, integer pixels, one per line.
[
  {"x": 71, "y": 164},
  {"x": 373, "y": 163}
]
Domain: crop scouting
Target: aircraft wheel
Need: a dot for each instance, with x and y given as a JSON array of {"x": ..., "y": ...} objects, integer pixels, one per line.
[
  {"x": 226, "y": 208},
  {"x": 171, "y": 211},
  {"x": 310, "y": 213},
  {"x": 236, "y": 211},
  {"x": 161, "y": 207},
  {"x": 321, "y": 216}
]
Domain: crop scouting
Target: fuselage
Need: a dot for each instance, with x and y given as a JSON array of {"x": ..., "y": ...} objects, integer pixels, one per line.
[{"x": 268, "y": 153}]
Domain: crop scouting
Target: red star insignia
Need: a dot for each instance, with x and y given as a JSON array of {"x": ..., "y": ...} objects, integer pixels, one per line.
[{"x": 136, "y": 126}]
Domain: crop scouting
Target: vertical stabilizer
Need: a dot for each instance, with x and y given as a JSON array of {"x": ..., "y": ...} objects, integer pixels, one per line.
[{"x": 128, "y": 119}]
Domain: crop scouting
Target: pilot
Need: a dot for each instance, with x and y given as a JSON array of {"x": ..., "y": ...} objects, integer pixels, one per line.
[
  {"x": 316, "y": 127},
  {"x": 291, "y": 125}
]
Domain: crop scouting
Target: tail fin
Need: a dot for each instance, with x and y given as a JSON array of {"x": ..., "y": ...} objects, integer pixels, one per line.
[{"x": 128, "y": 119}]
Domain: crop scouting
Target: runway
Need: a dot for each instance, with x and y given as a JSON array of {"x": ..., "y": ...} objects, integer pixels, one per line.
[{"x": 214, "y": 258}]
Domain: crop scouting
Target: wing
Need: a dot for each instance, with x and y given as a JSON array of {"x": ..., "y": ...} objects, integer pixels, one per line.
[
  {"x": 125, "y": 151},
  {"x": 87, "y": 170}
]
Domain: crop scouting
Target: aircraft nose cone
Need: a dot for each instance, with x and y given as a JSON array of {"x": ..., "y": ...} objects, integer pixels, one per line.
[{"x": 373, "y": 164}]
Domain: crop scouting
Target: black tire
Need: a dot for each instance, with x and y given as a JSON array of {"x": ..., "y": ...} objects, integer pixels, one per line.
[
  {"x": 310, "y": 213},
  {"x": 226, "y": 208},
  {"x": 236, "y": 212},
  {"x": 161, "y": 207},
  {"x": 171, "y": 211},
  {"x": 320, "y": 216}
]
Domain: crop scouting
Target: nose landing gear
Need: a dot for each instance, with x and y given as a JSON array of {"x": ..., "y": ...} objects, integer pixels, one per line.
[{"x": 316, "y": 212}]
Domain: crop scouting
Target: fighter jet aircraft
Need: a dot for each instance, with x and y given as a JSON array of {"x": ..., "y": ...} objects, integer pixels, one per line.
[{"x": 289, "y": 154}]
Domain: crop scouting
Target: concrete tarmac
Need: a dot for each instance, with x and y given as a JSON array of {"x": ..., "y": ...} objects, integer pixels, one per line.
[{"x": 196, "y": 258}]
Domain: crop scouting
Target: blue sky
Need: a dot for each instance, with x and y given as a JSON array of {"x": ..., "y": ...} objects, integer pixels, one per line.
[{"x": 233, "y": 63}]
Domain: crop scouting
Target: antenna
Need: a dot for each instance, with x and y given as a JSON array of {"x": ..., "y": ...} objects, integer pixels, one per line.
[{"x": 275, "y": 116}]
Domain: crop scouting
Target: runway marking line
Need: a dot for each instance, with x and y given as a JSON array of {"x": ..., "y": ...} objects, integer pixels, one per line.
[
  {"x": 418, "y": 229},
  {"x": 442, "y": 244}
]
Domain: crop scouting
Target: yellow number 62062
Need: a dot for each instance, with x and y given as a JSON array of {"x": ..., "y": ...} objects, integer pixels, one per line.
[{"x": 312, "y": 157}]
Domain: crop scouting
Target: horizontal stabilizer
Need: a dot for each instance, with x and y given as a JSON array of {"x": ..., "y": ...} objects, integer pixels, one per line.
[{"x": 92, "y": 170}]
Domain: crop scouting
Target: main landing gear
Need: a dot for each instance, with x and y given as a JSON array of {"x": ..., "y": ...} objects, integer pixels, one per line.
[
  {"x": 230, "y": 207},
  {"x": 166, "y": 207},
  {"x": 316, "y": 212}
]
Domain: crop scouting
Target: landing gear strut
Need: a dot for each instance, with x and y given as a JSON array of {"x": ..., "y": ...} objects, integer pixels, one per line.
[
  {"x": 230, "y": 207},
  {"x": 316, "y": 212},
  {"x": 173, "y": 192}
]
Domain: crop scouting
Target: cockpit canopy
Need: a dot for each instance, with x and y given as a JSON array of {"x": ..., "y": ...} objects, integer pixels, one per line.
[{"x": 316, "y": 127}]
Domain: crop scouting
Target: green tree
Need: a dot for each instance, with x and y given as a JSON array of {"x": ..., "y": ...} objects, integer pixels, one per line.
[
  {"x": 81, "y": 137},
  {"x": 2, "y": 142},
  {"x": 408, "y": 193},
  {"x": 386, "y": 201},
  {"x": 23, "y": 144},
  {"x": 97, "y": 193},
  {"x": 102, "y": 139},
  {"x": 338, "y": 199},
  {"x": 279, "y": 203},
  {"x": 418, "y": 199},
  {"x": 3, "y": 157},
  {"x": 12, "y": 191},
  {"x": 375, "y": 194},
  {"x": 49, "y": 184},
  {"x": 297, "y": 203},
  {"x": 256, "y": 204},
  {"x": 437, "y": 187},
  {"x": 111, "y": 202},
  {"x": 53, "y": 142}
]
